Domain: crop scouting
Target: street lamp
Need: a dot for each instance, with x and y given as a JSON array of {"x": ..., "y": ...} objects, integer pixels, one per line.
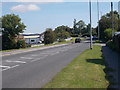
[
  {"x": 91, "y": 46},
  {"x": 98, "y": 20},
  {"x": 112, "y": 16}
]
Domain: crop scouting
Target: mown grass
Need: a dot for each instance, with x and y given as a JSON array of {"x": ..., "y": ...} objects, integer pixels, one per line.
[{"x": 85, "y": 71}]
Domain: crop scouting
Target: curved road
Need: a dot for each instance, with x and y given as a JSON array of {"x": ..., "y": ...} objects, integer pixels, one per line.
[{"x": 35, "y": 68}]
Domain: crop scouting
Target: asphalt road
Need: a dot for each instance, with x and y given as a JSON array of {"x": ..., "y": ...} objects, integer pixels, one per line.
[{"x": 35, "y": 68}]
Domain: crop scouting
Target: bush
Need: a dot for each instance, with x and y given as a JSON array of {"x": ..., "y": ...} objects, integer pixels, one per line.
[
  {"x": 108, "y": 34},
  {"x": 49, "y": 36},
  {"x": 74, "y": 35},
  {"x": 21, "y": 44},
  {"x": 61, "y": 40},
  {"x": 28, "y": 45},
  {"x": 97, "y": 41},
  {"x": 111, "y": 45}
]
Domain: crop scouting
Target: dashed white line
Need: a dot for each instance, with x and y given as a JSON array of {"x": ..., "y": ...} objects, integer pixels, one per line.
[
  {"x": 4, "y": 66},
  {"x": 26, "y": 58},
  {"x": 15, "y": 61},
  {"x": 10, "y": 67}
]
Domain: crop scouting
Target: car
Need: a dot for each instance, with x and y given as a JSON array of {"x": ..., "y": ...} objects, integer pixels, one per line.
[{"x": 77, "y": 40}]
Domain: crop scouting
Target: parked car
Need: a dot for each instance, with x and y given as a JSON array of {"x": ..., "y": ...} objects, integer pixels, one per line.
[{"x": 77, "y": 40}]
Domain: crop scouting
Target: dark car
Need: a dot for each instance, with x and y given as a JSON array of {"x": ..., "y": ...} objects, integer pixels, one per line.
[{"x": 77, "y": 40}]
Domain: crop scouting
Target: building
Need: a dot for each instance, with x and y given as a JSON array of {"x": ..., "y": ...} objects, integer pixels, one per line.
[{"x": 33, "y": 38}]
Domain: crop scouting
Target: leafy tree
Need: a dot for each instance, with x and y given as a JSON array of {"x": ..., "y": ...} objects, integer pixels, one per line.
[
  {"x": 79, "y": 27},
  {"x": 62, "y": 35},
  {"x": 94, "y": 31},
  {"x": 108, "y": 34},
  {"x": 63, "y": 28},
  {"x": 12, "y": 27},
  {"x": 62, "y": 32},
  {"x": 49, "y": 36},
  {"x": 106, "y": 22},
  {"x": 21, "y": 44}
]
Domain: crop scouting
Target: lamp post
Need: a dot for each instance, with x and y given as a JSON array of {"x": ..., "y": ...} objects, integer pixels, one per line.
[
  {"x": 112, "y": 16},
  {"x": 91, "y": 46},
  {"x": 98, "y": 20}
]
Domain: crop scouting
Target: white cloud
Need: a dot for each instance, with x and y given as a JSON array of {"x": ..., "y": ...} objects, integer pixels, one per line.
[
  {"x": 32, "y": 0},
  {"x": 25, "y": 8}
]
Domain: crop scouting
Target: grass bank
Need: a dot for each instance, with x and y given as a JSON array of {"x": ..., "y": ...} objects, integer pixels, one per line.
[
  {"x": 85, "y": 71},
  {"x": 73, "y": 39},
  {"x": 40, "y": 46}
]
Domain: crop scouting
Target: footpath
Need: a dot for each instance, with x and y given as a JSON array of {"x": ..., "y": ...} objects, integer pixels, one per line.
[{"x": 112, "y": 61}]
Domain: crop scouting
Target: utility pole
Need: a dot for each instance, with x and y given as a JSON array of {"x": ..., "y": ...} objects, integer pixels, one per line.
[
  {"x": 112, "y": 16},
  {"x": 91, "y": 46},
  {"x": 98, "y": 20}
]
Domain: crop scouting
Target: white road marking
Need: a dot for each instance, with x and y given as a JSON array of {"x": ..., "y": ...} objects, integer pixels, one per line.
[
  {"x": 35, "y": 60},
  {"x": 26, "y": 58},
  {"x": 34, "y": 55},
  {"x": 15, "y": 61},
  {"x": 4, "y": 66},
  {"x": 10, "y": 67}
]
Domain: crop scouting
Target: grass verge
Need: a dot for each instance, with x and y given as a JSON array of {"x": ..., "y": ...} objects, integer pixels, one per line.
[
  {"x": 65, "y": 42},
  {"x": 85, "y": 71}
]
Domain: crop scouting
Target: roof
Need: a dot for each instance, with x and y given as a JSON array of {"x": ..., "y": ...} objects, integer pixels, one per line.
[
  {"x": 37, "y": 36},
  {"x": 30, "y": 34}
]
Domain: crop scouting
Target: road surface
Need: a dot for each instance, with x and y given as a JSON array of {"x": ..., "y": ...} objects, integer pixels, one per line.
[{"x": 35, "y": 68}]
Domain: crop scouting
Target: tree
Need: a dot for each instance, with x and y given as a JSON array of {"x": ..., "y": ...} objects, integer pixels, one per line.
[
  {"x": 106, "y": 22},
  {"x": 49, "y": 36},
  {"x": 21, "y": 44},
  {"x": 62, "y": 35},
  {"x": 62, "y": 32},
  {"x": 12, "y": 27},
  {"x": 108, "y": 34},
  {"x": 79, "y": 27},
  {"x": 63, "y": 28}
]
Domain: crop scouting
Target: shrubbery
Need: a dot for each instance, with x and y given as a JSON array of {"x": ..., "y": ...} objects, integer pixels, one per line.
[
  {"x": 61, "y": 40},
  {"x": 49, "y": 36},
  {"x": 21, "y": 44},
  {"x": 111, "y": 45}
]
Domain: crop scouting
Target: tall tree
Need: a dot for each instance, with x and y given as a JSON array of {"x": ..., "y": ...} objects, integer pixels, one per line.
[
  {"x": 62, "y": 32},
  {"x": 79, "y": 26},
  {"x": 106, "y": 22},
  {"x": 12, "y": 27},
  {"x": 49, "y": 36}
]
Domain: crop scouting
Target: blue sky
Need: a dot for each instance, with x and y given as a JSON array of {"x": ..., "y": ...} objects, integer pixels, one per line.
[{"x": 39, "y": 16}]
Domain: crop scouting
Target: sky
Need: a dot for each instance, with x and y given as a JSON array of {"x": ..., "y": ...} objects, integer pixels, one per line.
[{"x": 38, "y": 16}]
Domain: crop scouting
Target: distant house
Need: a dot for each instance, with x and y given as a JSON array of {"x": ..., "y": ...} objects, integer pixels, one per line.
[{"x": 33, "y": 38}]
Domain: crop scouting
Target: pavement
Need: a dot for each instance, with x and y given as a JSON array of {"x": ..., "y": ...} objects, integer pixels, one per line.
[
  {"x": 113, "y": 61},
  {"x": 33, "y": 68}
]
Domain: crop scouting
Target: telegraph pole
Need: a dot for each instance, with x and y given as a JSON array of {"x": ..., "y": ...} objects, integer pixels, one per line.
[
  {"x": 91, "y": 46},
  {"x": 112, "y": 16},
  {"x": 98, "y": 20}
]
